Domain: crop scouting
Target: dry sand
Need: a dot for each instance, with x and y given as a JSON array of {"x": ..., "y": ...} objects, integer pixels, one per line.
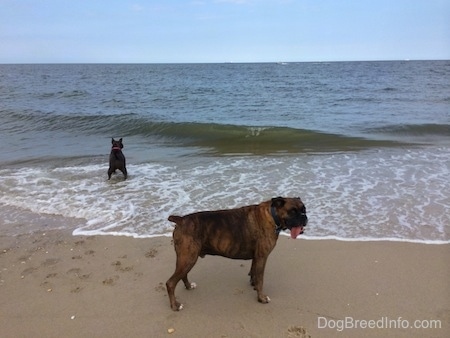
[{"x": 57, "y": 285}]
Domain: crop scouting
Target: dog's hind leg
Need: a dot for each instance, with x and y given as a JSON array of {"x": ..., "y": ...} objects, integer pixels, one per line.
[
  {"x": 188, "y": 285},
  {"x": 185, "y": 262},
  {"x": 110, "y": 172},
  {"x": 180, "y": 273},
  {"x": 125, "y": 173}
]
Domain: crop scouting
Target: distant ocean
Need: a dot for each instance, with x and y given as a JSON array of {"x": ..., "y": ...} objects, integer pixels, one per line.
[{"x": 366, "y": 145}]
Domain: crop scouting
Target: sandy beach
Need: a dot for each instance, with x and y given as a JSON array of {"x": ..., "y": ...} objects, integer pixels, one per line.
[{"x": 54, "y": 284}]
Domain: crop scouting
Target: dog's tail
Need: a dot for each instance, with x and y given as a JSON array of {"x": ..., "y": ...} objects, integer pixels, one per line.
[{"x": 175, "y": 219}]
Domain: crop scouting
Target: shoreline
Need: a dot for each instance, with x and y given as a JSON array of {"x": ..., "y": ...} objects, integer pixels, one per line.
[
  {"x": 285, "y": 235},
  {"x": 53, "y": 283}
]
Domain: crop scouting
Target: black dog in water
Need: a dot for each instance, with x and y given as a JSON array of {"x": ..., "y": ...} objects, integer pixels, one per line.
[{"x": 117, "y": 159}]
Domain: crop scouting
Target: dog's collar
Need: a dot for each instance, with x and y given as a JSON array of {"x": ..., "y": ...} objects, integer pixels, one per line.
[
  {"x": 276, "y": 219},
  {"x": 116, "y": 148}
]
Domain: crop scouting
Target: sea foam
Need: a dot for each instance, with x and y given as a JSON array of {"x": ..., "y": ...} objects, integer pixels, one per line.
[{"x": 374, "y": 195}]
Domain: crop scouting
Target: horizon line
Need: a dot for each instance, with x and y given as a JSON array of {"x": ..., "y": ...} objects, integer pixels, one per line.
[{"x": 213, "y": 62}]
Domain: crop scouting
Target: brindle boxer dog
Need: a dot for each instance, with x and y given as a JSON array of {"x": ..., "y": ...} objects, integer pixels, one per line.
[{"x": 249, "y": 232}]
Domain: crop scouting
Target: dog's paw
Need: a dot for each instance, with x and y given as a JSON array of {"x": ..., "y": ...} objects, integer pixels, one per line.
[
  {"x": 177, "y": 306},
  {"x": 264, "y": 299},
  {"x": 190, "y": 285}
]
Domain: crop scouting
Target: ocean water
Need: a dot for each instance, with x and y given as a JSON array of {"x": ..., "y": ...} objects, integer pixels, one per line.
[{"x": 366, "y": 145}]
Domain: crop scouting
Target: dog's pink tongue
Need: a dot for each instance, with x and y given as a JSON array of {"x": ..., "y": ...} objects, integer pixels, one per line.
[{"x": 296, "y": 231}]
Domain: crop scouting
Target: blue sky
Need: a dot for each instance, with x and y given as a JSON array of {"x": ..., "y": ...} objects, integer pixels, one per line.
[{"x": 160, "y": 31}]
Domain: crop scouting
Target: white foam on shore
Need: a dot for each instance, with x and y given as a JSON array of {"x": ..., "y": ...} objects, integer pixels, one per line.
[
  {"x": 372, "y": 239},
  {"x": 78, "y": 232},
  {"x": 398, "y": 195}
]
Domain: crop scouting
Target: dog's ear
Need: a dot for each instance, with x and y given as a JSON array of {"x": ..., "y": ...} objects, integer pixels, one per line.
[
  {"x": 278, "y": 202},
  {"x": 120, "y": 140},
  {"x": 112, "y": 140}
]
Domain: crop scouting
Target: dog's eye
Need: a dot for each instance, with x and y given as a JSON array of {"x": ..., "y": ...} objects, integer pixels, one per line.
[
  {"x": 293, "y": 212},
  {"x": 297, "y": 212}
]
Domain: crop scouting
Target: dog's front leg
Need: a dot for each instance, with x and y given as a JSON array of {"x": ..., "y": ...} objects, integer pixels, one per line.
[
  {"x": 251, "y": 273},
  {"x": 257, "y": 278}
]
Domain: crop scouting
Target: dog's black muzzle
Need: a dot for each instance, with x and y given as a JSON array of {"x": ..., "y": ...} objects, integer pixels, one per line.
[{"x": 299, "y": 221}]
